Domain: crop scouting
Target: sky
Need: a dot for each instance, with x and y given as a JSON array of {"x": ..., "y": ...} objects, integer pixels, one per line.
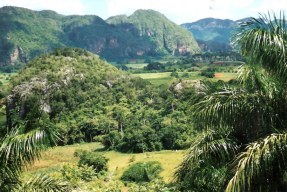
[{"x": 179, "y": 11}]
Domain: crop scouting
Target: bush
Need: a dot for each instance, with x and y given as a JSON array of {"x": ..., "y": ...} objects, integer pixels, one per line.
[
  {"x": 96, "y": 161},
  {"x": 185, "y": 75},
  {"x": 74, "y": 174},
  {"x": 79, "y": 152},
  {"x": 155, "y": 66},
  {"x": 174, "y": 74},
  {"x": 142, "y": 172},
  {"x": 208, "y": 74}
]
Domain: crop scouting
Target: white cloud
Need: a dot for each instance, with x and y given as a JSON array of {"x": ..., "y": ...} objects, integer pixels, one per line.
[{"x": 61, "y": 6}]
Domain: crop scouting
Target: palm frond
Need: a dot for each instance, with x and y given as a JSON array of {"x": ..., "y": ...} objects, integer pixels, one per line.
[
  {"x": 18, "y": 149},
  {"x": 44, "y": 183},
  {"x": 23, "y": 148},
  {"x": 210, "y": 146},
  {"x": 264, "y": 40},
  {"x": 247, "y": 112},
  {"x": 258, "y": 161},
  {"x": 9, "y": 177}
]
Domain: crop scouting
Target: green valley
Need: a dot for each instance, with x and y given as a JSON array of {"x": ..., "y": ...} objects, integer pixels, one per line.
[{"x": 138, "y": 103}]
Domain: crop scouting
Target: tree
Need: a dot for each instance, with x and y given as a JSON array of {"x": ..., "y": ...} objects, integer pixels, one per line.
[
  {"x": 245, "y": 126},
  {"x": 155, "y": 66},
  {"x": 120, "y": 113}
]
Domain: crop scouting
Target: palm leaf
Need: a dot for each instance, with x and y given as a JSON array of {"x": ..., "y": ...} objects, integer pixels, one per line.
[
  {"x": 18, "y": 149},
  {"x": 43, "y": 183},
  {"x": 211, "y": 147},
  {"x": 23, "y": 148},
  {"x": 257, "y": 163},
  {"x": 264, "y": 41},
  {"x": 252, "y": 110}
]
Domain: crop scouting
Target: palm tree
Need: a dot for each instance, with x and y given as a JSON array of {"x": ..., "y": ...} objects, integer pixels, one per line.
[
  {"x": 244, "y": 138},
  {"x": 19, "y": 148}
]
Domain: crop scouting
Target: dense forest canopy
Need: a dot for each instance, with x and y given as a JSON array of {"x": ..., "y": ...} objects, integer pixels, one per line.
[{"x": 86, "y": 99}]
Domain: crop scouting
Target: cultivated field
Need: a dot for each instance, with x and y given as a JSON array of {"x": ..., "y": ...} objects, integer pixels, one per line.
[{"x": 165, "y": 77}]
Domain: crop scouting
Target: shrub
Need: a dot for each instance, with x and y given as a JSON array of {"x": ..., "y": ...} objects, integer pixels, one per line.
[
  {"x": 185, "y": 75},
  {"x": 97, "y": 161},
  {"x": 174, "y": 74},
  {"x": 79, "y": 152},
  {"x": 74, "y": 174},
  {"x": 142, "y": 172},
  {"x": 208, "y": 74}
]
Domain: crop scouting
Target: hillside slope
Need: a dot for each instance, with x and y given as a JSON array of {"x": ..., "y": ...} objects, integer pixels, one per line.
[
  {"x": 213, "y": 34},
  {"x": 62, "y": 90},
  {"x": 83, "y": 97},
  {"x": 25, "y": 34},
  {"x": 167, "y": 36}
]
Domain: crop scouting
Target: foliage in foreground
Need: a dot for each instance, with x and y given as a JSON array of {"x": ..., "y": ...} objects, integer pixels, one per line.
[
  {"x": 244, "y": 137},
  {"x": 20, "y": 147}
]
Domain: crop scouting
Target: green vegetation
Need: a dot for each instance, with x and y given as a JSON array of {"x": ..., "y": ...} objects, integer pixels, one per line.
[
  {"x": 94, "y": 160},
  {"x": 60, "y": 162},
  {"x": 244, "y": 127},
  {"x": 26, "y": 34},
  {"x": 54, "y": 158},
  {"x": 124, "y": 131},
  {"x": 214, "y": 35},
  {"x": 207, "y": 66},
  {"x": 166, "y": 36},
  {"x": 86, "y": 99},
  {"x": 142, "y": 172},
  {"x": 21, "y": 146}
]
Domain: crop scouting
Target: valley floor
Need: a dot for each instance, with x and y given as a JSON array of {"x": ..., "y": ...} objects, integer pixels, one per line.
[{"x": 53, "y": 159}]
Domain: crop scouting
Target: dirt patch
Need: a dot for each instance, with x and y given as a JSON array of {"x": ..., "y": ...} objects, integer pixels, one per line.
[{"x": 218, "y": 75}]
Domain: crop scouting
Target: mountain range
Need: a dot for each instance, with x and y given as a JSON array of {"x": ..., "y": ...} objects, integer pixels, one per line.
[
  {"x": 25, "y": 34},
  {"x": 213, "y": 34}
]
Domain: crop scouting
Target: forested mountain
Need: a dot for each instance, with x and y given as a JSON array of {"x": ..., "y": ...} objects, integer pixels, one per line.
[
  {"x": 25, "y": 34},
  {"x": 84, "y": 98},
  {"x": 213, "y": 34},
  {"x": 168, "y": 37}
]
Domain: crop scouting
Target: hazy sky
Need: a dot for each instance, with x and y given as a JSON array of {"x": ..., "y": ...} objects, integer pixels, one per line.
[{"x": 179, "y": 11}]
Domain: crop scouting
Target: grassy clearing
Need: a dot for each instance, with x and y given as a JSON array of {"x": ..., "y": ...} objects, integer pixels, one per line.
[
  {"x": 156, "y": 78},
  {"x": 161, "y": 81},
  {"x": 136, "y": 65},
  {"x": 165, "y": 78},
  {"x": 54, "y": 158},
  {"x": 153, "y": 75}
]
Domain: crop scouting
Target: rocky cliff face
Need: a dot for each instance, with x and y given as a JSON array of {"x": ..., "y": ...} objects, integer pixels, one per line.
[
  {"x": 25, "y": 34},
  {"x": 17, "y": 55},
  {"x": 167, "y": 36}
]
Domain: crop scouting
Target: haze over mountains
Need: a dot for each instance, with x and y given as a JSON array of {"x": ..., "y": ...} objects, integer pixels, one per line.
[
  {"x": 25, "y": 34},
  {"x": 213, "y": 34}
]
